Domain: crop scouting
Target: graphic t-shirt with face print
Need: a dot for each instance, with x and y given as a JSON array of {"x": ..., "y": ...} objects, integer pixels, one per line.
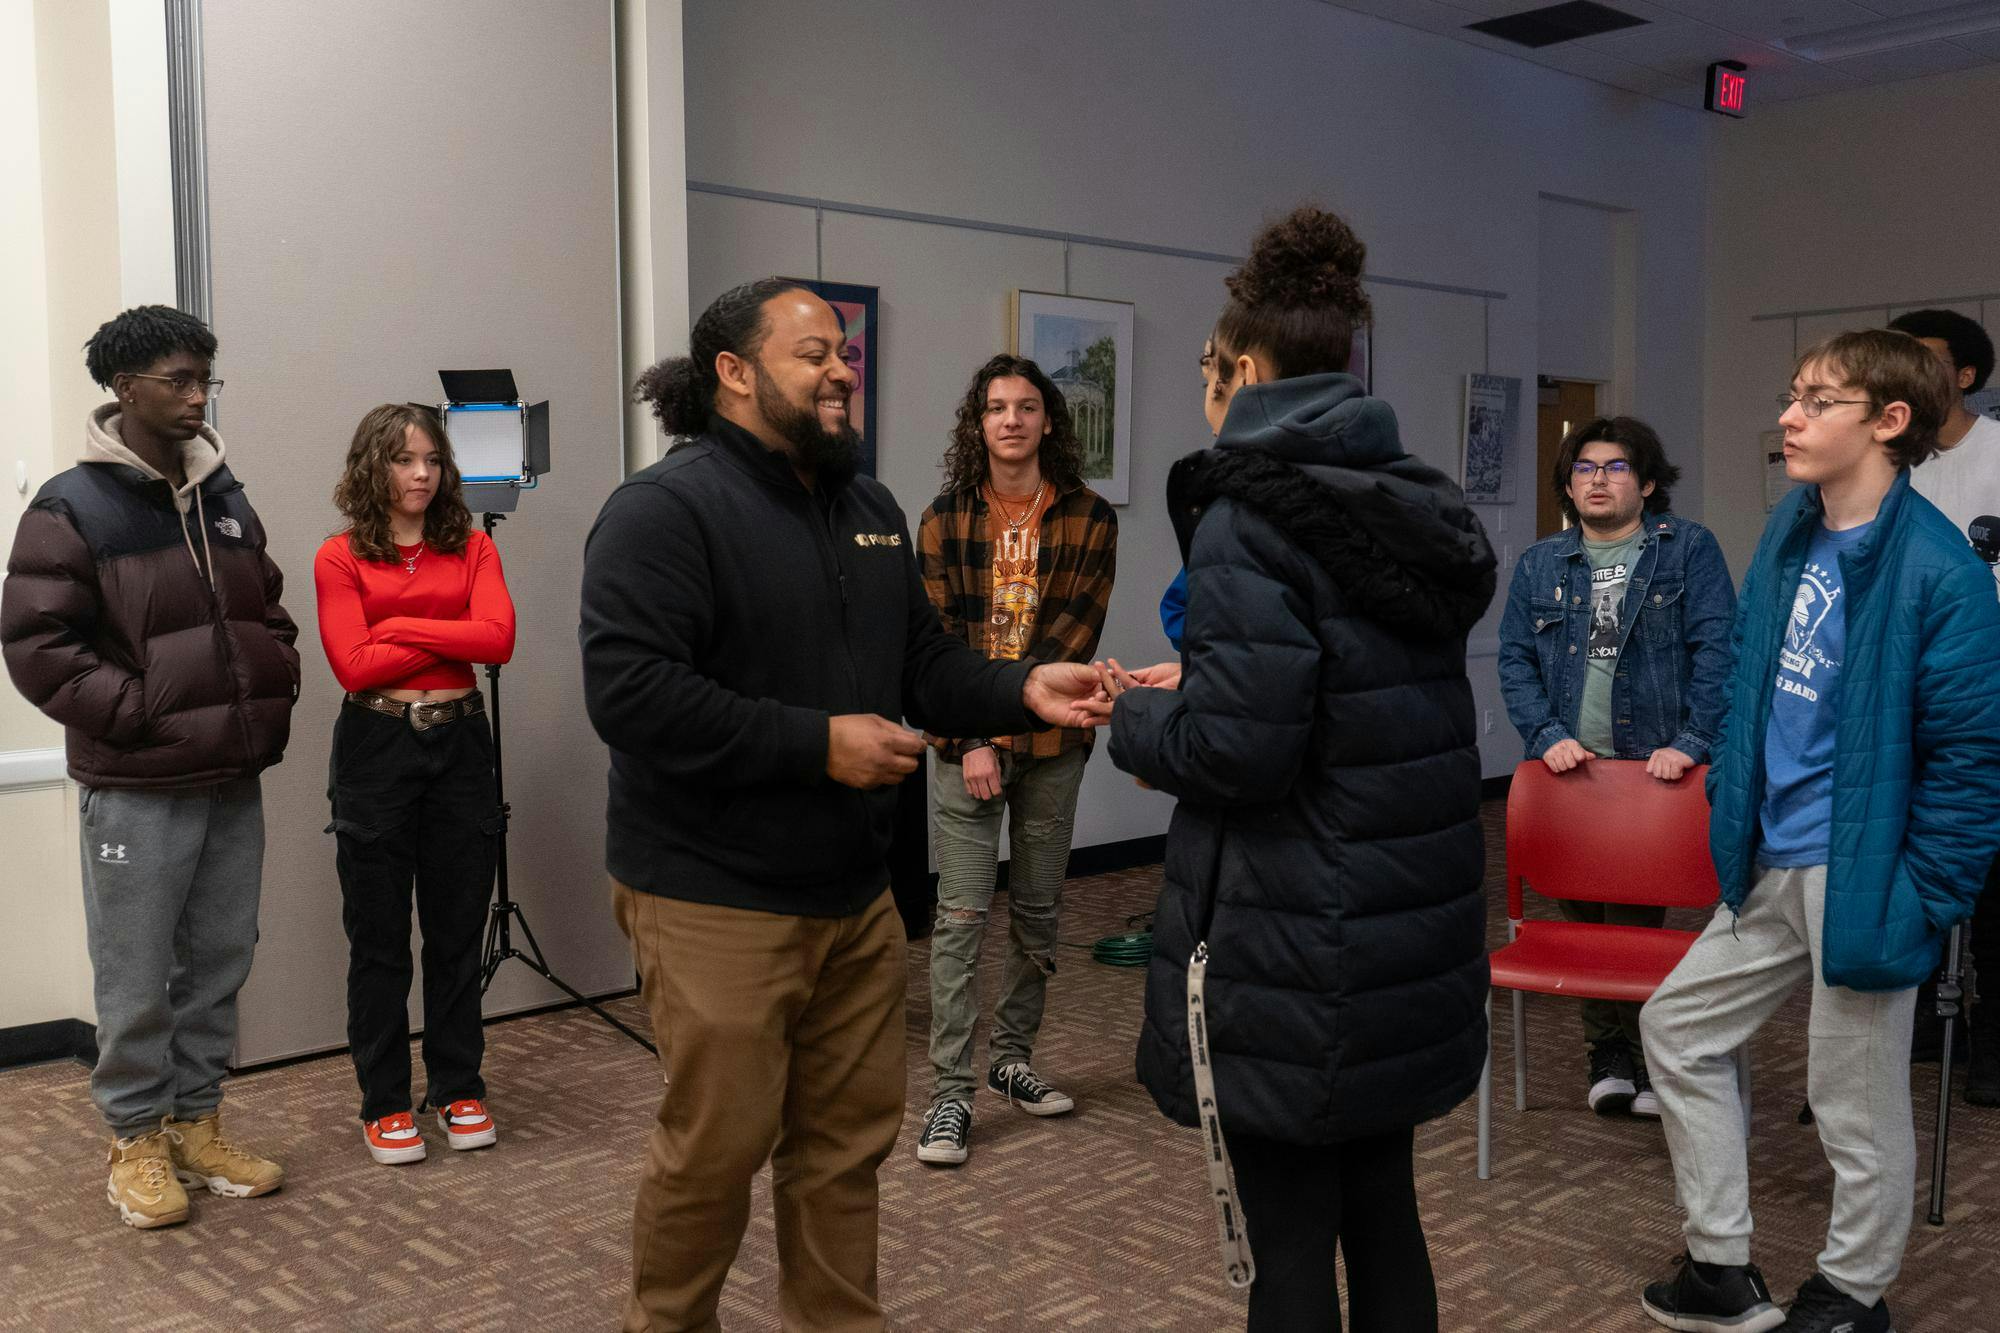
[{"x": 1610, "y": 571}]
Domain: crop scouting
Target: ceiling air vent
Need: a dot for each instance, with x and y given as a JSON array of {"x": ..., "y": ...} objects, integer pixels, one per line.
[{"x": 1553, "y": 24}]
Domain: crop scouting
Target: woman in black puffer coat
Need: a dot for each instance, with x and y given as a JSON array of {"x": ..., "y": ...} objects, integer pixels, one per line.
[{"x": 1327, "y": 847}]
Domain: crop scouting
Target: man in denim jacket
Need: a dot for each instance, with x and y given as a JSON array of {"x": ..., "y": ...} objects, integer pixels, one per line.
[{"x": 1615, "y": 644}]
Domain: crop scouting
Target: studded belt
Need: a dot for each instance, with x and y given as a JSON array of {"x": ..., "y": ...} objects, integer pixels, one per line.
[{"x": 421, "y": 716}]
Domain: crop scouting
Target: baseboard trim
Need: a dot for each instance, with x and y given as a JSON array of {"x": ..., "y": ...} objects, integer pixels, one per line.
[
  {"x": 1106, "y": 857},
  {"x": 38, "y": 1043}
]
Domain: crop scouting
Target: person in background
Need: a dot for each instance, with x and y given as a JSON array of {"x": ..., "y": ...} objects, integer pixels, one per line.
[
  {"x": 1963, "y": 481},
  {"x": 141, "y": 610},
  {"x": 410, "y": 597},
  {"x": 1615, "y": 644},
  {"x": 1018, "y": 558},
  {"x": 1322, "y": 903}
]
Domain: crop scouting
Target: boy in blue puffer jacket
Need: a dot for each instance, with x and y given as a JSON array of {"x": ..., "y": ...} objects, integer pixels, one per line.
[{"x": 1851, "y": 826}]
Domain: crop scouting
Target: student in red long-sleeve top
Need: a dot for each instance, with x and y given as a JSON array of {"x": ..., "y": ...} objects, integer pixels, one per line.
[{"x": 410, "y": 596}]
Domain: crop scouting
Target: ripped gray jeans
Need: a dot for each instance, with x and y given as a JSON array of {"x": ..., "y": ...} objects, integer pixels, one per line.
[{"x": 965, "y": 836}]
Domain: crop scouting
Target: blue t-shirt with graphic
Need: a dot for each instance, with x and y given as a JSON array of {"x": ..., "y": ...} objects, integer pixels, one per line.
[{"x": 1805, "y": 706}]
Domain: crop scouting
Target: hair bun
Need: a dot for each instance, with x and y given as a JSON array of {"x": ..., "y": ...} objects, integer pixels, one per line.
[{"x": 1309, "y": 257}]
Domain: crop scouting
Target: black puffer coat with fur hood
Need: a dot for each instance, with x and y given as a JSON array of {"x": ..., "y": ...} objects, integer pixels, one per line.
[{"x": 1327, "y": 843}]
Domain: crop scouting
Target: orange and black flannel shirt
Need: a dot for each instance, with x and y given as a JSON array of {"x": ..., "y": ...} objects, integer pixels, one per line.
[{"x": 1078, "y": 560}]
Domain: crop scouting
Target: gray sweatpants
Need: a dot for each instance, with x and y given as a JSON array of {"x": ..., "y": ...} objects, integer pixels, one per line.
[
  {"x": 1857, "y": 1079},
  {"x": 171, "y": 880}
]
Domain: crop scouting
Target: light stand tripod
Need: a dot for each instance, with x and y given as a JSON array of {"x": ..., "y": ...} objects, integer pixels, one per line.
[{"x": 505, "y": 912}]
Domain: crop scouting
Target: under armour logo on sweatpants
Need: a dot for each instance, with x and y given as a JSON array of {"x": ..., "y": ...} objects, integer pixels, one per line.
[{"x": 115, "y": 855}]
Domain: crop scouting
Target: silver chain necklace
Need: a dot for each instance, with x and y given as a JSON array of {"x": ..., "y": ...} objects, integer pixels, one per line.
[{"x": 410, "y": 561}]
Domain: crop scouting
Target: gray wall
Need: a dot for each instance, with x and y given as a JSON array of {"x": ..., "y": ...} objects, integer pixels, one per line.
[
  {"x": 396, "y": 188},
  {"x": 1151, "y": 123}
]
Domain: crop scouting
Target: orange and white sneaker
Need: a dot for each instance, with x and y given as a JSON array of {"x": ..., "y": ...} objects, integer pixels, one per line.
[
  {"x": 466, "y": 1125},
  {"x": 394, "y": 1138}
]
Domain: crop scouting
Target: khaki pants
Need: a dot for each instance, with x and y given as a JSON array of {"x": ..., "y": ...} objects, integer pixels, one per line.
[{"x": 780, "y": 1037}]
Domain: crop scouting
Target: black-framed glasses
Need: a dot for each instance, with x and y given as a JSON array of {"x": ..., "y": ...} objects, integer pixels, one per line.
[
  {"x": 185, "y": 385},
  {"x": 1812, "y": 404},
  {"x": 1617, "y": 469}
]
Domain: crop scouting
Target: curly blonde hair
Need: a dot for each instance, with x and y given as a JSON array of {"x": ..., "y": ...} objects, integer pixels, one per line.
[{"x": 364, "y": 493}]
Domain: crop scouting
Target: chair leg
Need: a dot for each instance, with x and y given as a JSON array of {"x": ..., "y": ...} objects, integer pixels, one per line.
[
  {"x": 1486, "y": 1099},
  {"x": 1520, "y": 1051}
]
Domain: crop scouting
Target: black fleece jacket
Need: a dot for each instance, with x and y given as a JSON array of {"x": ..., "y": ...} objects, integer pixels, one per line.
[{"x": 728, "y": 613}]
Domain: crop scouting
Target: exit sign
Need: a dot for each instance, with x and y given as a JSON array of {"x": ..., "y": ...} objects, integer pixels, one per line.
[{"x": 1728, "y": 89}]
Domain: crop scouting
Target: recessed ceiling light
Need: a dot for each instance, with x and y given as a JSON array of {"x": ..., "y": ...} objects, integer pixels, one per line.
[{"x": 1553, "y": 24}]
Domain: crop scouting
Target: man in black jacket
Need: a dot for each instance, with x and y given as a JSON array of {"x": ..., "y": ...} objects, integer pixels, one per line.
[
  {"x": 141, "y": 611},
  {"x": 753, "y": 628}
]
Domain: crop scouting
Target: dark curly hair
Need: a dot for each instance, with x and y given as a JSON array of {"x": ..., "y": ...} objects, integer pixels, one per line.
[
  {"x": 681, "y": 389},
  {"x": 1643, "y": 451},
  {"x": 129, "y": 342},
  {"x": 1060, "y": 456},
  {"x": 1969, "y": 344},
  {"x": 1297, "y": 299},
  {"x": 364, "y": 494}
]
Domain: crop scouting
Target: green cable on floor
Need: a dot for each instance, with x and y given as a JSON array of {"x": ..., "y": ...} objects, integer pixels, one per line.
[{"x": 1132, "y": 949}]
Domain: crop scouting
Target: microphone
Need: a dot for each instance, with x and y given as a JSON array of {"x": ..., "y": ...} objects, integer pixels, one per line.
[{"x": 1984, "y": 533}]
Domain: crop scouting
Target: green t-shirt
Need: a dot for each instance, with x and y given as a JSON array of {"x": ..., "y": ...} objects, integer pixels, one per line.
[{"x": 1610, "y": 568}]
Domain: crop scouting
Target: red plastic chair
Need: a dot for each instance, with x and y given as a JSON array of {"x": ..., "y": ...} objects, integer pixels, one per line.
[{"x": 1603, "y": 832}]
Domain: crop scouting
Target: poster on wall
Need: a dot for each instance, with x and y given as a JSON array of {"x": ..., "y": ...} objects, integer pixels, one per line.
[
  {"x": 1492, "y": 420},
  {"x": 855, "y": 307},
  {"x": 1085, "y": 347}
]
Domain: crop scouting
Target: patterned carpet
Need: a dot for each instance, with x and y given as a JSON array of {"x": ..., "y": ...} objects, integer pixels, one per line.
[{"x": 1092, "y": 1221}]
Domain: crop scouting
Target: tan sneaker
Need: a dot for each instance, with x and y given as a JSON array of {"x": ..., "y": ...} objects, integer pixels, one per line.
[
  {"x": 142, "y": 1184},
  {"x": 202, "y": 1156}
]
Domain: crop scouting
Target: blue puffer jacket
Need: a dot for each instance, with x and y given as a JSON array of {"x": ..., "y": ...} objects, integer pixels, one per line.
[{"x": 1916, "y": 767}]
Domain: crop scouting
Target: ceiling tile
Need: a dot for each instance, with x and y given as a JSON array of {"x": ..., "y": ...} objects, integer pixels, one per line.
[
  {"x": 1980, "y": 43},
  {"x": 1801, "y": 80},
  {"x": 1907, "y": 62},
  {"x": 1763, "y": 20},
  {"x": 1683, "y": 48}
]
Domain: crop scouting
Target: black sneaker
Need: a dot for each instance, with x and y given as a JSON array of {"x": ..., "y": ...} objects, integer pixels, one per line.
[
  {"x": 1611, "y": 1071},
  {"x": 1821, "y": 1307},
  {"x": 947, "y": 1126},
  {"x": 1645, "y": 1101},
  {"x": 1732, "y": 1300},
  {"x": 1023, "y": 1088}
]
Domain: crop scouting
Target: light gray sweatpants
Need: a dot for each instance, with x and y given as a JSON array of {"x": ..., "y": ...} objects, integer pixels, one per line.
[
  {"x": 1857, "y": 1079},
  {"x": 171, "y": 879}
]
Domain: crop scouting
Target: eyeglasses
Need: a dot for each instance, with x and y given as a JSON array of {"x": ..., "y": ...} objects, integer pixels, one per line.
[
  {"x": 185, "y": 385},
  {"x": 1617, "y": 469},
  {"x": 1812, "y": 404}
]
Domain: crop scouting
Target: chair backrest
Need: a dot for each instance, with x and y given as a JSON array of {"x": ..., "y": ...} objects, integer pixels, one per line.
[{"x": 1608, "y": 832}]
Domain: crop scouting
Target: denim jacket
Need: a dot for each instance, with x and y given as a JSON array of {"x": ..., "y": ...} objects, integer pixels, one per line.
[{"x": 1673, "y": 667}]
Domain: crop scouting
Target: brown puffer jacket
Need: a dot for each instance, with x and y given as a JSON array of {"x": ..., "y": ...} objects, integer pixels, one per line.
[{"x": 146, "y": 620}]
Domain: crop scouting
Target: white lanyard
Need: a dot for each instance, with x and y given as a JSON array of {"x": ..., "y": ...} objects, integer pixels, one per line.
[{"x": 1237, "y": 1264}]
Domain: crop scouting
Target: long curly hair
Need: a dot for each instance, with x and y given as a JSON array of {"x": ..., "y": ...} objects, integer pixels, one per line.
[
  {"x": 1060, "y": 456},
  {"x": 364, "y": 493}
]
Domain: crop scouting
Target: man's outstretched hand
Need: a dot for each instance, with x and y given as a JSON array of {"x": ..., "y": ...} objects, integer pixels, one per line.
[
  {"x": 868, "y": 750},
  {"x": 1059, "y": 694}
]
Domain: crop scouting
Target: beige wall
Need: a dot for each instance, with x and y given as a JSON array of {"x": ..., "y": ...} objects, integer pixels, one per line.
[
  {"x": 85, "y": 230},
  {"x": 457, "y": 208}
]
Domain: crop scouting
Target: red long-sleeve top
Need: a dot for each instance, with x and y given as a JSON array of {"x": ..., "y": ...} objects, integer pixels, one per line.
[{"x": 385, "y": 628}]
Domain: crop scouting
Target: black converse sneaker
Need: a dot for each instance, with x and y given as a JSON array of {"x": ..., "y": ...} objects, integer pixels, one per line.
[
  {"x": 1611, "y": 1077},
  {"x": 1645, "y": 1101},
  {"x": 947, "y": 1125},
  {"x": 1821, "y": 1307},
  {"x": 1713, "y": 1298},
  {"x": 1023, "y": 1088}
]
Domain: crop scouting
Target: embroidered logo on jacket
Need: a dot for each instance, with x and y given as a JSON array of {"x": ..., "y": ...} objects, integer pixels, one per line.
[
  {"x": 114, "y": 855},
  {"x": 229, "y": 527},
  {"x": 878, "y": 539}
]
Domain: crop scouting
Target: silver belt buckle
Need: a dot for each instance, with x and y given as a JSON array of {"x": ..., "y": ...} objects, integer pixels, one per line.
[{"x": 423, "y": 716}]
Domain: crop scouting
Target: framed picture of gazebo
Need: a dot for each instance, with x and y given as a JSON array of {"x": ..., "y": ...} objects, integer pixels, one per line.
[{"x": 1085, "y": 347}]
